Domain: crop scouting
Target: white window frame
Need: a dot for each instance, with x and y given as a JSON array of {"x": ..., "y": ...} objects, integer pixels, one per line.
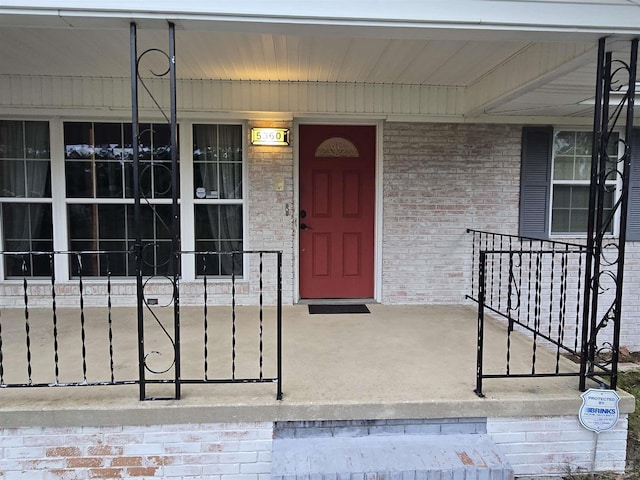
[
  {"x": 553, "y": 182},
  {"x": 190, "y": 202},
  {"x": 59, "y": 202},
  {"x": 27, "y": 200},
  {"x": 66, "y": 275}
]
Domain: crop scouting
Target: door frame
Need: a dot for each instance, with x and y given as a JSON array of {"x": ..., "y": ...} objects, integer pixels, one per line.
[{"x": 378, "y": 207}]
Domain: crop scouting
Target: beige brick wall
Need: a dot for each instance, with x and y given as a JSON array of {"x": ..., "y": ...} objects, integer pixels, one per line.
[
  {"x": 439, "y": 180},
  {"x": 270, "y": 211},
  {"x": 555, "y": 446},
  {"x": 233, "y": 451}
]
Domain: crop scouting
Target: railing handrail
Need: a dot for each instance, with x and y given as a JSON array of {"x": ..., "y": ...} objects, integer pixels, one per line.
[
  {"x": 533, "y": 289},
  {"x": 263, "y": 293},
  {"x": 531, "y": 239}
]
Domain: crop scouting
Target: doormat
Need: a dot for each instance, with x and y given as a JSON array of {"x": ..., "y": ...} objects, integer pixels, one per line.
[{"x": 331, "y": 309}]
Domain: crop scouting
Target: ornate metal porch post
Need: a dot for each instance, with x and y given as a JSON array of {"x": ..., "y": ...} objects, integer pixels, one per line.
[
  {"x": 605, "y": 258},
  {"x": 174, "y": 227}
]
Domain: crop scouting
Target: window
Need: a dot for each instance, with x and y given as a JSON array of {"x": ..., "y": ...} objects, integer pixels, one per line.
[
  {"x": 571, "y": 176},
  {"x": 100, "y": 190},
  {"x": 25, "y": 196},
  {"x": 218, "y": 193},
  {"x": 80, "y": 198},
  {"x": 557, "y": 189}
]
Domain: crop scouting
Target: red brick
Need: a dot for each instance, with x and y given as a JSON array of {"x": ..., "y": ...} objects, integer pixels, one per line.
[
  {"x": 61, "y": 474},
  {"x": 84, "y": 462},
  {"x": 142, "y": 471},
  {"x": 63, "y": 452},
  {"x": 106, "y": 473},
  {"x": 213, "y": 447},
  {"x": 126, "y": 462},
  {"x": 158, "y": 460},
  {"x": 104, "y": 450}
]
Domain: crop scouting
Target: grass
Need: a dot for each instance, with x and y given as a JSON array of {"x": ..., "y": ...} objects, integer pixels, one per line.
[{"x": 630, "y": 382}]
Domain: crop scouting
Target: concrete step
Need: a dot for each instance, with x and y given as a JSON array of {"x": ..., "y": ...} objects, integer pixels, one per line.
[{"x": 389, "y": 457}]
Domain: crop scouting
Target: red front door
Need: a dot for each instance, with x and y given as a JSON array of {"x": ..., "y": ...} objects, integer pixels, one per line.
[{"x": 337, "y": 199}]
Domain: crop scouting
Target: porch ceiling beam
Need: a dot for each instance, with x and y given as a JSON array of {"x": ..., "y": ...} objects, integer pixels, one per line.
[{"x": 533, "y": 66}]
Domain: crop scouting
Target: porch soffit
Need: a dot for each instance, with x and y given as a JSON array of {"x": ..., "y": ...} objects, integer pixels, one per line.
[{"x": 497, "y": 71}]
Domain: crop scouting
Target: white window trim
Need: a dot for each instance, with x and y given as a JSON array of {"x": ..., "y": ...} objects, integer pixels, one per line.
[
  {"x": 59, "y": 202},
  {"x": 48, "y": 200},
  {"x": 190, "y": 202},
  {"x": 552, "y": 182}
]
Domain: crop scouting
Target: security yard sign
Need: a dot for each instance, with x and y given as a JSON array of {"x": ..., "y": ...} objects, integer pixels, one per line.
[{"x": 599, "y": 410}]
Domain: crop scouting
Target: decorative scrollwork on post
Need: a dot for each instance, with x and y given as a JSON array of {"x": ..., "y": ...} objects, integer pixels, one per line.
[
  {"x": 147, "y": 257},
  {"x": 610, "y": 168}
]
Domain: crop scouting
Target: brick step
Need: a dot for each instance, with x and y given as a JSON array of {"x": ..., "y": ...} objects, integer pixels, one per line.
[{"x": 389, "y": 457}]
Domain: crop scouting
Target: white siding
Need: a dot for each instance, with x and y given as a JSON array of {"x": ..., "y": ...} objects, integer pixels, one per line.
[{"x": 17, "y": 92}]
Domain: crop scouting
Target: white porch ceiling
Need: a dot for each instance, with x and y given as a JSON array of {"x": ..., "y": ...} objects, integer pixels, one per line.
[
  {"x": 503, "y": 73},
  {"x": 255, "y": 57}
]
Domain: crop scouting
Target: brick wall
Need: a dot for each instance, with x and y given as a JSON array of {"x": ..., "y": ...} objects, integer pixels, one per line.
[
  {"x": 558, "y": 445},
  {"x": 270, "y": 211},
  {"x": 439, "y": 180},
  {"x": 630, "y": 326},
  {"x": 243, "y": 451},
  {"x": 239, "y": 451}
]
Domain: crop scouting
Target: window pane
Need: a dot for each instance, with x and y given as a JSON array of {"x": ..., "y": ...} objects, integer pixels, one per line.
[
  {"x": 112, "y": 222},
  {"x": 162, "y": 179},
  {"x": 20, "y": 177},
  {"x": 583, "y": 168},
  {"x": 11, "y": 139},
  {"x": 161, "y": 141},
  {"x": 205, "y": 178},
  {"x": 219, "y": 228},
  {"x": 79, "y": 179},
  {"x": 564, "y": 143},
  {"x": 560, "y": 220},
  {"x": 561, "y": 196},
  {"x": 82, "y": 220},
  {"x": 563, "y": 168},
  {"x": 12, "y": 178},
  {"x": 217, "y": 157},
  {"x": 38, "y": 174},
  {"x": 580, "y": 197},
  {"x": 583, "y": 143},
  {"x": 230, "y": 143},
  {"x": 231, "y": 180},
  {"x": 613, "y": 145},
  {"x": 36, "y": 139},
  {"x": 579, "y": 219},
  {"x": 77, "y": 140},
  {"x": 108, "y": 179},
  {"x": 108, "y": 140},
  {"x": 27, "y": 227}
]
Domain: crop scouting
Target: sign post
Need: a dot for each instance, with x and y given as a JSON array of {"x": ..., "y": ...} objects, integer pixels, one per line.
[{"x": 599, "y": 410}]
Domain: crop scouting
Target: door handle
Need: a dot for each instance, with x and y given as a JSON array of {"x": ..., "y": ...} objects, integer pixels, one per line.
[{"x": 304, "y": 226}]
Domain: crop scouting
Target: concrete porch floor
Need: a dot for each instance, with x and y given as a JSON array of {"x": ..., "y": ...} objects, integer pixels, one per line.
[{"x": 399, "y": 362}]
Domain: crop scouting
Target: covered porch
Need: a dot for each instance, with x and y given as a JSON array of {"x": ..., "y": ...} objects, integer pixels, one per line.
[
  {"x": 366, "y": 385},
  {"x": 397, "y": 362}
]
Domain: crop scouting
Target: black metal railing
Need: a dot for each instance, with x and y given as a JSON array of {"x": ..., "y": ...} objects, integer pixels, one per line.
[
  {"x": 537, "y": 286},
  {"x": 82, "y": 331}
]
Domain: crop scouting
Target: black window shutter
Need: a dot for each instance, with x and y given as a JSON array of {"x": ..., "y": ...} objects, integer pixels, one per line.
[
  {"x": 633, "y": 210},
  {"x": 535, "y": 180}
]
